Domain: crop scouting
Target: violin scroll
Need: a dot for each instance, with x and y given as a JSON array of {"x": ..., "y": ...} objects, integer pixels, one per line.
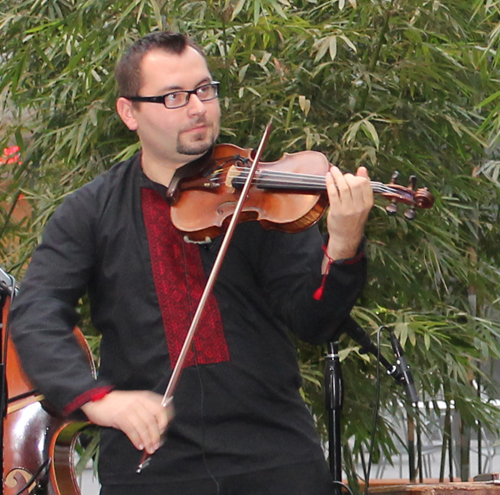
[{"x": 395, "y": 193}]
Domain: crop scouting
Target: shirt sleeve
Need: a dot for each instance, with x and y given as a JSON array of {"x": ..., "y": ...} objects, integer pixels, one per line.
[
  {"x": 293, "y": 276},
  {"x": 43, "y": 314}
]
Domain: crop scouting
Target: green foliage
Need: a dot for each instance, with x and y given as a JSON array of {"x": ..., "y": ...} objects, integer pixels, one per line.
[{"x": 407, "y": 85}]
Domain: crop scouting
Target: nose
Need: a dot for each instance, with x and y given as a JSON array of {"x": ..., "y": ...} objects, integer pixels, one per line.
[{"x": 195, "y": 105}]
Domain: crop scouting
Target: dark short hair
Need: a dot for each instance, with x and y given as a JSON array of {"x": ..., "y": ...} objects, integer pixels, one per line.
[{"x": 128, "y": 69}]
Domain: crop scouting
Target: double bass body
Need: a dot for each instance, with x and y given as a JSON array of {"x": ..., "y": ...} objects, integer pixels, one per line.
[{"x": 38, "y": 444}]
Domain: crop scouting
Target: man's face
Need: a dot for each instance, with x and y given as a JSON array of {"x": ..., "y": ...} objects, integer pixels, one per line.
[{"x": 174, "y": 137}]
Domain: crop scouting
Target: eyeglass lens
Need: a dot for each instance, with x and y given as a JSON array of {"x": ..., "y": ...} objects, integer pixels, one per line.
[{"x": 180, "y": 98}]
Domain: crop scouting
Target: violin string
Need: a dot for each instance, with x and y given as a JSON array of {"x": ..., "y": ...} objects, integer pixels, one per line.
[
  {"x": 275, "y": 178},
  {"x": 284, "y": 178}
]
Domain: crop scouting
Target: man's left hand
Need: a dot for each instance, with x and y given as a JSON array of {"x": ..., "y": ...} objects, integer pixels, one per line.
[{"x": 351, "y": 199}]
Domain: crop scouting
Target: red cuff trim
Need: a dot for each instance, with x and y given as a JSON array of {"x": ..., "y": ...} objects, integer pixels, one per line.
[
  {"x": 351, "y": 261},
  {"x": 91, "y": 395}
]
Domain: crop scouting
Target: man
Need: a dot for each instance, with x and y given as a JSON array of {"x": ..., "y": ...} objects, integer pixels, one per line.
[{"x": 240, "y": 425}]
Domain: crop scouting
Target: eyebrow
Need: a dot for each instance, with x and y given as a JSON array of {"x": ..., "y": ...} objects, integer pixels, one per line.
[{"x": 168, "y": 89}]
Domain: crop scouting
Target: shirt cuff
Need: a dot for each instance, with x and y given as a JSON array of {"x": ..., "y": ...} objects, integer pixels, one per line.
[
  {"x": 351, "y": 261},
  {"x": 360, "y": 254},
  {"x": 91, "y": 395}
]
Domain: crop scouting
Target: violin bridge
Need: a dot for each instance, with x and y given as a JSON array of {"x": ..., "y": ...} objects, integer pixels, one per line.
[{"x": 232, "y": 174}]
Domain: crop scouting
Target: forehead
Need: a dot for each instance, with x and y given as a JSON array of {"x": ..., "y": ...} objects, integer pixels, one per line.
[{"x": 162, "y": 71}]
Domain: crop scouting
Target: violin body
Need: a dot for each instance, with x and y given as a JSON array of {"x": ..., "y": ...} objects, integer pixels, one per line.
[
  {"x": 217, "y": 190},
  {"x": 38, "y": 444}
]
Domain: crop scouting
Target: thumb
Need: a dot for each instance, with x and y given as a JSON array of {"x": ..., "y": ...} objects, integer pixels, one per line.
[{"x": 362, "y": 172}]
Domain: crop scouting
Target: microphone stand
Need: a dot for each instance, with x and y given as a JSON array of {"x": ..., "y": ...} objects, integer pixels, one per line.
[
  {"x": 334, "y": 401},
  {"x": 334, "y": 392}
]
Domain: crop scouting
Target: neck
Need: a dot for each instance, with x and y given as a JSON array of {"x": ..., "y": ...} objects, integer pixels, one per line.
[{"x": 158, "y": 170}]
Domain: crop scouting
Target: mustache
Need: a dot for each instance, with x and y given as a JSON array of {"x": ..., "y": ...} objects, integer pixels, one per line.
[{"x": 195, "y": 123}]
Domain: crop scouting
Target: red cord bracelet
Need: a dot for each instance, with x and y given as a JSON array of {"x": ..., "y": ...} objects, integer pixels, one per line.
[{"x": 318, "y": 293}]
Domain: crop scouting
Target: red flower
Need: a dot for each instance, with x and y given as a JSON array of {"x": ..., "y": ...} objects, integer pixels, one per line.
[{"x": 11, "y": 151}]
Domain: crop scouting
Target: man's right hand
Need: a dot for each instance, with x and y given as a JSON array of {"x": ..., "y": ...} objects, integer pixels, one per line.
[{"x": 139, "y": 414}]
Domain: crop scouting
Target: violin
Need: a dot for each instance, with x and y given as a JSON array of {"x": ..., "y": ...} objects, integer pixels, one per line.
[
  {"x": 288, "y": 194},
  {"x": 38, "y": 444}
]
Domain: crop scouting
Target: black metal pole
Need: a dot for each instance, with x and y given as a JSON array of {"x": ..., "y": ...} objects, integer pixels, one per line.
[
  {"x": 411, "y": 447},
  {"x": 334, "y": 400}
]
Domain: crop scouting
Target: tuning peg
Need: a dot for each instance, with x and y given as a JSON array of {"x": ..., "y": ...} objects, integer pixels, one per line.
[
  {"x": 394, "y": 177},
  {"x": 410, "y": 214},
  {"x": 412, "y": 182},
  {"x": 391, "y": 208}
]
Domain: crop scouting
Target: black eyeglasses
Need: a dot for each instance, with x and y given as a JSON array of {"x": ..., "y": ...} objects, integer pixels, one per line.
[{"x": 178, "y": 99}]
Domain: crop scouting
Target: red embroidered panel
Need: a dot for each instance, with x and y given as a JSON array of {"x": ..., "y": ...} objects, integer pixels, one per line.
[{"x": 179, "y": 280}]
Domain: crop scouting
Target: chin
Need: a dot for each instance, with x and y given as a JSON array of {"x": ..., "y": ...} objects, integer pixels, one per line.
[{"x": 194, "y": 149}]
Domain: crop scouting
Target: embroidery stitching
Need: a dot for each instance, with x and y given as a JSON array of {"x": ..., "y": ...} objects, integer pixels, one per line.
[{"x": 177, "y": 283}]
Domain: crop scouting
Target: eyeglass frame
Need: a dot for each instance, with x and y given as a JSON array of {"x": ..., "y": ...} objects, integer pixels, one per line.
[{"x": 188, "y": 92}]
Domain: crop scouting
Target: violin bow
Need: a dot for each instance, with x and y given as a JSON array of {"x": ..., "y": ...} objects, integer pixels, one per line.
[{"x": 169, "y": 392}]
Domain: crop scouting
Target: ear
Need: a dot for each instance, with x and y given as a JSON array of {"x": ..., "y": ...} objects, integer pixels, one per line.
[{"x": 126, "y": 111}]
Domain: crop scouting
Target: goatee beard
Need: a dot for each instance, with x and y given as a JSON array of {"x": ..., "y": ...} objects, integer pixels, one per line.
[
  {"x": 196, "y": 147},
  {"x": 193, "y": 150}
]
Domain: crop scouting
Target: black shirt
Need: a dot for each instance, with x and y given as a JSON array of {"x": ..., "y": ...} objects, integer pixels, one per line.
[{"x": 238, "y": 405}]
